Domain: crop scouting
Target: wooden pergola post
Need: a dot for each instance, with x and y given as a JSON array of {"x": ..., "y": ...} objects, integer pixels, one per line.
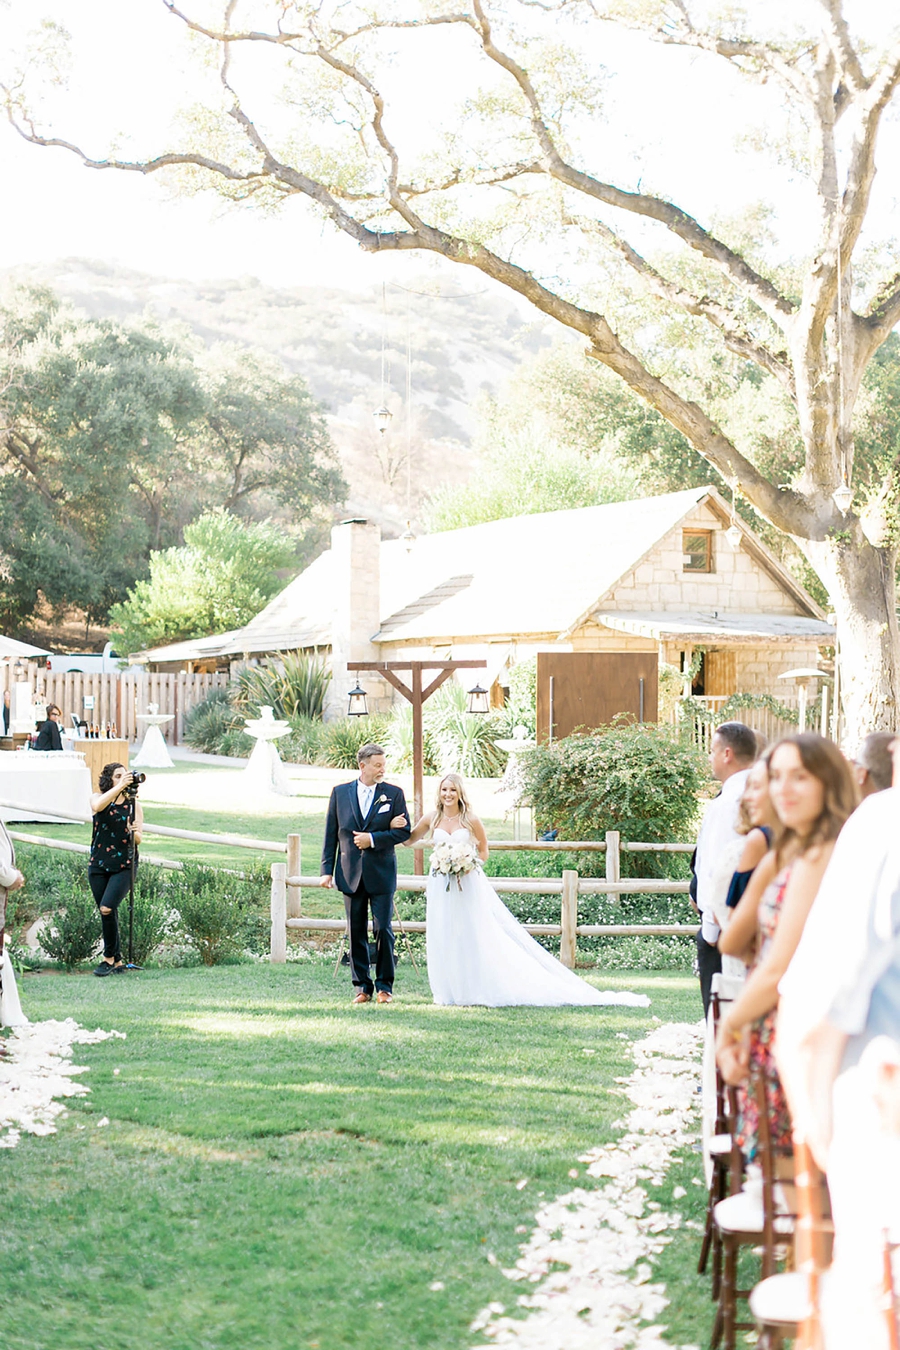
[{"x": 418, "y": 695}]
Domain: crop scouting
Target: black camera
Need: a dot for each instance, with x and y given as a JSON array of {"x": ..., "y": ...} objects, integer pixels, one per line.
[{"x": 132, "y": 788}]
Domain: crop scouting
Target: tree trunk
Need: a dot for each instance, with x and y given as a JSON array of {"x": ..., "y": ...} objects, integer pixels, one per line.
[{"x": 860, "y": 581}]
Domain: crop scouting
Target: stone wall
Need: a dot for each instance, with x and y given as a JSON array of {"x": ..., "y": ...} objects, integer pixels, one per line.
[{"x": 737, "y": 583}]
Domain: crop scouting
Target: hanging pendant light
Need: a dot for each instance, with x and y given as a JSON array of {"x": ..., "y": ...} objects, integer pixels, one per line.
[
  {"x": 843, "y": 498},
  {"x": 407, "y": 538},
  {"x": 382, "y": 418},
  {"x": 357, "y": 705},
  {"x": 734, "y": 536}
]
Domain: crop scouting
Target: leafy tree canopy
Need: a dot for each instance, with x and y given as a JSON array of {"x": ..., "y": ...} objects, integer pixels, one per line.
[
  {"x": 113, "y": 437},
  {"x": 222, "y": 576}
]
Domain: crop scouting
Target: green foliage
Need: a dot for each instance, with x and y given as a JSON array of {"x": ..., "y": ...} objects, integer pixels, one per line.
[
  {"x": 697, "y": 711},
  {"x": 521, "y": 706},
  {"x": 341, "y": 740},
  {"x": 639, "y": 780},
  {"x": 523, "y": 471},
  {"x": 220, "y": 578},
  {"x": 154, "y": 918},
  {"x": 206, "y": 724},
  {"x": 462, "y": 742},
  {"x": 293, "y": 685},
  {"x": 210, "y": 913},
  {"x": 116, "y": 435},
  {"x": 74, "y": 934}
]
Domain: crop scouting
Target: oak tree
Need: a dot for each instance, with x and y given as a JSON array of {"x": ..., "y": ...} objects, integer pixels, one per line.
[{"x": 352, "y": 108}]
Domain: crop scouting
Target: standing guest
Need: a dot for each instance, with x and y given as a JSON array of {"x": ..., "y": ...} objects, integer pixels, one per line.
[
  {"x": 49, "y": 737},
  {"x": 358, "y": 857},
  {"x": 7, "y": 712},
  {"x": 113, "y": 841},
  {"x": 813, "y": 793},
  {"x": 758, "y": 821},
  {"x": 719, "y": 845},
  {"x": 874, "y": 764},
  {"x": 11, "y": 879}
]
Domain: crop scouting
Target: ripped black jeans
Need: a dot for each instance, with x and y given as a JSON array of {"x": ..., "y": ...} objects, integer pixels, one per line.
[{"x": 109, "y": 889}]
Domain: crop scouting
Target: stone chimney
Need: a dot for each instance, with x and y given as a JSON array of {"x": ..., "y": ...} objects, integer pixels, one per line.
[{"x": 356, "y": 577}]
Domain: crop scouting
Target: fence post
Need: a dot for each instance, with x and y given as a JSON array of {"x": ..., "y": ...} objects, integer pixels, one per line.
[
  {"x": 568, "y": 918},
  {"x": 278, "y": 940},
  {"x": 294, "y": 869},
  {"x": 613, "y": 859}
]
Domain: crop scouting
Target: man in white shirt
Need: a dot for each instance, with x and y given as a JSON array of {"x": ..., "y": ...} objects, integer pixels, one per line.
[{"x": 719, "y": 845}]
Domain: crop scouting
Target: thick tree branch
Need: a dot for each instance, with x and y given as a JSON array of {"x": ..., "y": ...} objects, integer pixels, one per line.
[
  {"x": 758, "y": 289},
  {"x": 844, "y": 52},
  {"x": 736, "y": 337}
]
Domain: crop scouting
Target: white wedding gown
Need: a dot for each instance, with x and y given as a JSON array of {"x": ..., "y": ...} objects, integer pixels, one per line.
[{"x": 479, "y": 954}]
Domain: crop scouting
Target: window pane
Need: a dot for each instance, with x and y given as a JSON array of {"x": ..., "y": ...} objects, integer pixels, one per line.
[{"x": 698, "y": 552}]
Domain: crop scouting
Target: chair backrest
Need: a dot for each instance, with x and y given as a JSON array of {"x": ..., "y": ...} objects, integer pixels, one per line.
[{"x": 779, "y": 1191}]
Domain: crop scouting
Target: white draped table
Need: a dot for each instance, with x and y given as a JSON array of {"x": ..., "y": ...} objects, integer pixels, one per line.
[
  {"x": 44, "y": 784},
  {"x": 154, "y": 753}
]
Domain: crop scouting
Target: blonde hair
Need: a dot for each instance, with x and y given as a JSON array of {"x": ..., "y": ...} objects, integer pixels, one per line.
[{"x": 464, "y": 803}]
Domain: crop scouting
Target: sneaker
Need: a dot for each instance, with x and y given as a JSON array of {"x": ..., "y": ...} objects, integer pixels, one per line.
[
  {"x": 120, "y": 969},
  {"x": 105, "y": 968}
]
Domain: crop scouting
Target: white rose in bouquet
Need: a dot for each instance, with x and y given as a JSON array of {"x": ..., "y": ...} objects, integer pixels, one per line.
[{"x": 454, "y": 858}]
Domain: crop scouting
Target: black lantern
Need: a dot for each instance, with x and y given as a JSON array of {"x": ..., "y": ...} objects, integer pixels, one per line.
[
  {"x": 356, "y": 703},
  {"x": 478, "y": 700}
]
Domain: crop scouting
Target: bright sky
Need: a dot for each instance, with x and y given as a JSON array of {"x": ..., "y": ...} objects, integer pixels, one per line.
[{"x": 682, "y": 114}]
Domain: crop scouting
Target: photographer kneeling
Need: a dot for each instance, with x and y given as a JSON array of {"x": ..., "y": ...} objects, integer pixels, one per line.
[{"x": 109, "y": 869}]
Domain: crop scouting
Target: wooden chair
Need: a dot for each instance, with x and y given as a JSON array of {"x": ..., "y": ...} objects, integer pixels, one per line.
[
  {"x": 721, "y": 1149},
  {"x": 747, "y": 1220}
]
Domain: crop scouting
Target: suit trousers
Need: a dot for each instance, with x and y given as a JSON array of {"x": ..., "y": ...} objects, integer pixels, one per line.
[
  {"x": 357, "y": 906},
  {"x": 709, "y": 963}
]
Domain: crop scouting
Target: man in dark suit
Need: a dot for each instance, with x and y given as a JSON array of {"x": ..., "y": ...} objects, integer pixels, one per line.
[{"x": 358, "y": 858}]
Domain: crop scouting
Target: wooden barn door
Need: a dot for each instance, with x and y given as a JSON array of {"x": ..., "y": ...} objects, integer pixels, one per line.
[{"x": 589, "y": 689}]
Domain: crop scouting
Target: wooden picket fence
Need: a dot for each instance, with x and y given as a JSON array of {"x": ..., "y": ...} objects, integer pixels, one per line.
[{"x": 120, "y": 696}]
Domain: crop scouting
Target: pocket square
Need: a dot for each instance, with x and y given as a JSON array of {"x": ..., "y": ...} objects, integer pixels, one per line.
[{"x": 383, "y": 808}]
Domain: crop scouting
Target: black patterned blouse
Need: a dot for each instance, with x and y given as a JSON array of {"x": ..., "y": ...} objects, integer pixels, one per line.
[{"x": 110, "y": 839}]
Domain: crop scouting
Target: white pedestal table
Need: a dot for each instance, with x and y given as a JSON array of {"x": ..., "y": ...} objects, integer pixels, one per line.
[{"x": 154, "y": 753}]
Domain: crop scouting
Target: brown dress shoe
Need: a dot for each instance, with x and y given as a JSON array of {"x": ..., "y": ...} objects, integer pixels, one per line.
[
  {"x": 363, "y": 997},
  {"x": 384, "y": 997}
]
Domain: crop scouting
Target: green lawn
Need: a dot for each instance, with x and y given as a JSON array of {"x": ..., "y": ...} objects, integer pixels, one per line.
[{"x": 284, "y": 1170}]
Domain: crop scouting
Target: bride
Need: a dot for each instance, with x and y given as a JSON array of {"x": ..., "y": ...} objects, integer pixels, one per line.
[{"x": 477, "y": 952}]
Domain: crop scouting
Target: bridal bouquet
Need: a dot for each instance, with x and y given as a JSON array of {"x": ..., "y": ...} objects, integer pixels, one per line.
[{"x": 451, "y": 858}]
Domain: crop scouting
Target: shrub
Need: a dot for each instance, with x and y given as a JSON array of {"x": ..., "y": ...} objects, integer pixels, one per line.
[
  {"x": 398, "y": 741},
  {"x": 154, "y": 916},
  {"x": 74, "y": 935},
  {"x": 640, "y": 780},
  {"x": 207, "y": 723},
  {"x": 341, "y": 741},
  {"x": 303, "y": 743},
  {"x": 462, "y": 742},
  {"x": 210, "y": 913},
  {"x": 293, "y": 685}
]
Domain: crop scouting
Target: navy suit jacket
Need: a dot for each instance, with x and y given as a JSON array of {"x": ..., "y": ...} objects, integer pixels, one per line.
[{"x": 376, "y": 867}]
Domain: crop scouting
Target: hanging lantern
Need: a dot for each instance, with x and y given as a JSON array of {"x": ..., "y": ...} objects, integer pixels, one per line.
[
  {"x": 407, "y": 538},
  {"x": 843, "y": 498},
  {"x": 382, "y": 418},
  {"x": 734, "y": 536},
  {"x": 357, "y": 705},
  {"x": 478, "y": 700}
]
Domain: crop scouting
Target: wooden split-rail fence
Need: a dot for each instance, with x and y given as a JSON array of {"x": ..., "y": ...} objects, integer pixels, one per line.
[{"x": 288, "y": 883}]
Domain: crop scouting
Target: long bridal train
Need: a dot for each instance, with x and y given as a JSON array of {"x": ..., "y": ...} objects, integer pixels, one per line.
[{"x": 479, "y": 954}]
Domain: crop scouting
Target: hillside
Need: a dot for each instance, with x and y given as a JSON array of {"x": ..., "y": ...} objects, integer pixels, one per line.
[{"x": 462, "y": 342}]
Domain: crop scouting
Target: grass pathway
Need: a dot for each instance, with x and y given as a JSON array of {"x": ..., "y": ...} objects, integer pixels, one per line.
[{"x": 283, "y": 1170}]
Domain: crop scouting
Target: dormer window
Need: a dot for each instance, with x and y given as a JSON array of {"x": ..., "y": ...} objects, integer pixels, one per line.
[{"x": 698, "y": 550}]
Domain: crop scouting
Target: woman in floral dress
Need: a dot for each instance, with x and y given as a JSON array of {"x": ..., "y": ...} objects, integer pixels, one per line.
[{"x": 813, "y": 793}]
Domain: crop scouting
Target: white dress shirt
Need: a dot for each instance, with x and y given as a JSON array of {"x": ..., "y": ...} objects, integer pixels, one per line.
[
  {"x": 719, "y": 846},
  {"x": 364, "y": 795}
]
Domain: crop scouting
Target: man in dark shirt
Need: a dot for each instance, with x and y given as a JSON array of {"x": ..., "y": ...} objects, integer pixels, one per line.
[{"x": 49, "y": 737}]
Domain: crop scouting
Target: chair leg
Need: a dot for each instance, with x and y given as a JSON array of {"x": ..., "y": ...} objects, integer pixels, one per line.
[
  {"x": 708, "y": 1231},
  {"x": 716, "y": 1265}
]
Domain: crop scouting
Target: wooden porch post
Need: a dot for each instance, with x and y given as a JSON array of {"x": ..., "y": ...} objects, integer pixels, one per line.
[{"x": 418, "y": 760}]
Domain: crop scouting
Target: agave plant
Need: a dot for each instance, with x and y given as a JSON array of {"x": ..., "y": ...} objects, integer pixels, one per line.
[
  {"x": 293, "y": 685},
  {"x": 461, "y": 742}
]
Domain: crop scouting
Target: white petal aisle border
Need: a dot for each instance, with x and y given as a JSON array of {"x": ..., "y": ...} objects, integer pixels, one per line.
[
  {"x": 36, "y": 1070},
  {"x": 605, "y": 1238}
]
